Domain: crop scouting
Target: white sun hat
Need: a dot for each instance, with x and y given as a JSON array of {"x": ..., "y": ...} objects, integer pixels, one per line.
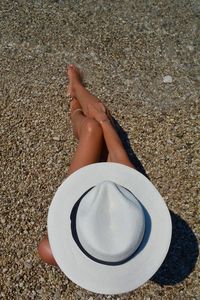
[{"x": 109, "y": 228}]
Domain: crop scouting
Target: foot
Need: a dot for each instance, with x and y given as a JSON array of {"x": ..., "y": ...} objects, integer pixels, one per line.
[
  {"x": 75, "y": 113},
  {"x": 75, "y": 77}
]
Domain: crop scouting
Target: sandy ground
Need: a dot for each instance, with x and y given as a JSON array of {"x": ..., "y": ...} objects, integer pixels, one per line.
[{"x": 142, "y": 59}]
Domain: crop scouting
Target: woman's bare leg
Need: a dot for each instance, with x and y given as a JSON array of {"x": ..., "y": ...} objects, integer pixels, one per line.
[
  {"x": 89, "y": 149},
  {"x": 89, "y": 145},
  {"x": 77, "y": 90}
]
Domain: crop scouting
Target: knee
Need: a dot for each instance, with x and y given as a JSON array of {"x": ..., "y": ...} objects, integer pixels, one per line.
[
  {"x": 91, "y": 126},
  {"x": 45, "y": 253}
]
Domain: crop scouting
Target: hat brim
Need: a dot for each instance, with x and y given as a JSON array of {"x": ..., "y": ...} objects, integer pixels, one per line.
[{"x": 93, "y": 276}]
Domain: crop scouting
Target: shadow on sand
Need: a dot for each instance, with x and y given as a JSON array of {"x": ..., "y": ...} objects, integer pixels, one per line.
[
  {"x": 183, "y": 252},
  {"x": 182, "y": 255},
  {"x": 126, "y": 143}
]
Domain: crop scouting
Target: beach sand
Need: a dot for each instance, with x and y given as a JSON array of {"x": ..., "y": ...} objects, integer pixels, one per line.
[{"x": 142, "y": 59}]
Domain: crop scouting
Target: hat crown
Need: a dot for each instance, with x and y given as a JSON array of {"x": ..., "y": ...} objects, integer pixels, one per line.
[{"x": 110, "y": 222}]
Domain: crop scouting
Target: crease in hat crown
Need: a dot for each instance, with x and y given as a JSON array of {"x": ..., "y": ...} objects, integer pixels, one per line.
[{"x": 110, "y": 222}]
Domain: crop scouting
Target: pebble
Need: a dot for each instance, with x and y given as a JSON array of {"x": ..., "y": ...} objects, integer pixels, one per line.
[
  {"x": 190, "y": 47},
  {"x": 57, "y": 295},
  {"x": 167, "y": 79},
  {"x": 56, "y": 138}
]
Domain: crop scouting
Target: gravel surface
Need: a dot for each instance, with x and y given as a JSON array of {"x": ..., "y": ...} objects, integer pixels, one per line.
[{"x": 142, "y": 59}]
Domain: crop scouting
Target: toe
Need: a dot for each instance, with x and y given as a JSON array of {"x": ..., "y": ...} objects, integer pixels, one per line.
[
  {"x": 70, "y": 68},
  {"x": 74, "y": 73}
]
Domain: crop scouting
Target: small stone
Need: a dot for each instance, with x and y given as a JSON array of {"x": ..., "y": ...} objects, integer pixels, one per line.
[
  {"x": 28, "y": 265},
  {"x": 11, "y": 45},
  {"x": 57, "y": 295},
  {"x": 169, "y": 141},
  {"x": 56, "y": 138},
  {"x": 79, "y": 293},
  {"x": 189, "y": 47},
  {"x": 167, "y": 79}
]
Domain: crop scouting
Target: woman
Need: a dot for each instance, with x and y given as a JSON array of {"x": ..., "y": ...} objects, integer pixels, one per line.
[{"x": 97, "y": 139}]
